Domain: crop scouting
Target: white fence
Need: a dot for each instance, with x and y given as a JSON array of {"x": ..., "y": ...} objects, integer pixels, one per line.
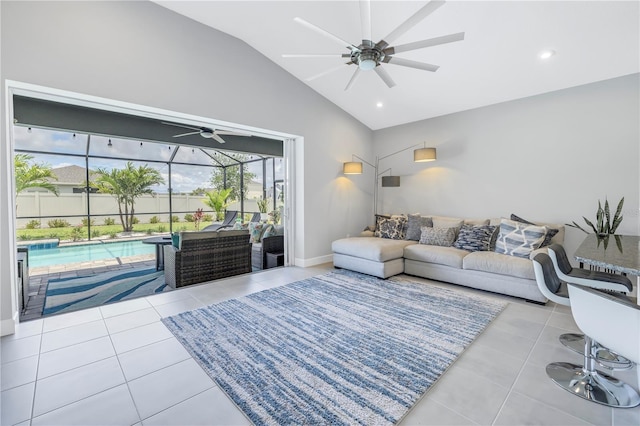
[{"x": 47, "y": 206}]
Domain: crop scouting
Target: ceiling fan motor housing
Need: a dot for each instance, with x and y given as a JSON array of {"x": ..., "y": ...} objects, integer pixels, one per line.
[{"x": 368, "y": 55}]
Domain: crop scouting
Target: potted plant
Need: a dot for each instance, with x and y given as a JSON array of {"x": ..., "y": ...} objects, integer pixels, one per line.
[
  {"x": 263, "y": 204},
  {"x": 605, "y": 224}
]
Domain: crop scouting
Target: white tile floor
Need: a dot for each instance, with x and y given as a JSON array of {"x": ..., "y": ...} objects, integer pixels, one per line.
[{"x": 119, "y": 365}]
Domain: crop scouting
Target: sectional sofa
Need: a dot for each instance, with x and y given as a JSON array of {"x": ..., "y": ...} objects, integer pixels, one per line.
[{"x": 492, "y": 254}]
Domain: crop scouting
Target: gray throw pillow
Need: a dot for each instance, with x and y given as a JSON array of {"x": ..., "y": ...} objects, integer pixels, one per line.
[
  {"x": 518, "y": 238},
  {"x": 475, "y": 237},
  {"x": 414, "y": 225},
  {"x": 437, "y": 236}
]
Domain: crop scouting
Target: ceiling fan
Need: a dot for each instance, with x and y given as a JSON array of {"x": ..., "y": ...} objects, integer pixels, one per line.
[
  {"x": 206, "y": 132},
  {"x": 370, "y": 56}
]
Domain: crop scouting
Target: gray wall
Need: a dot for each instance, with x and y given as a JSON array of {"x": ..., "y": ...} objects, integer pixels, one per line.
[
  {"x": 141, "y": 53},
  {"x": 546, "y": 158}
]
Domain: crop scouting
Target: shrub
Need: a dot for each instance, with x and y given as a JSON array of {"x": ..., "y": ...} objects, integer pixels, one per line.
[
  {"x": 188, "y": 217},
  {"x": 58, "y": 223},
  {"x": 33, "y": 224},
  {"x": 175, "y": 219},
  {"x": 207, "y": 218},
  {"x": 149, "y": 231},
  {"x": 53, "y": 235},
  {"x": 95, "y": 233},
  {"x": 154, "y": 219},
  {"x": 24, "y": 237},
  {"x": 77, "y": 233},
  {"x": 162, "y": 228},
  {"x": 113, "y": 235},
  {"x": 135, "y": 220},
  {"x": 85, "y": 222},
  {"x": 109, "y": 221},
  {"x": 183, "y": 228}
]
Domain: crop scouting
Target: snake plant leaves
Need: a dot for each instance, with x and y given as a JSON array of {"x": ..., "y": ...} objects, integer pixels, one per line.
[{"x": 605, "y": 224}]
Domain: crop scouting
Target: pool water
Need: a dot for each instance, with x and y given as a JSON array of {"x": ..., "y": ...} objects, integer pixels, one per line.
[{"x": 87, "y": 252}]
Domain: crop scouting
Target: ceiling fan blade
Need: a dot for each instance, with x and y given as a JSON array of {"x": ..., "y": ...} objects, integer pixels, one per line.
[
  {"x": 327, "y": 34},
  {"x": 325, "y": 73},
  {"x": 180, "y": 125},
  {"x": 424, "y": 43},
  {"x": 231, "y": 133},
  {"x": 384, "y": 75},
  {"x": 426, "y": 10},
  {"x": 217, "y": 138},
  {"x": 295, "y": 55},
  {"x": 411, "y": 64},
  {"x": 186, "y": 134},
  {"x": 365, "y": 19},
  {"x": 353, "y": 78}
]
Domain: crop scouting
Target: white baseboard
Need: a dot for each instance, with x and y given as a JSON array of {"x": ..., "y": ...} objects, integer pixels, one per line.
[
  {"x": 7, "y": 327},
  {"x": 305, "y": 263}
]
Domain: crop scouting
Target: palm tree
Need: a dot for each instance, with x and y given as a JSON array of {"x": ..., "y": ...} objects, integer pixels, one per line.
[
  {"x": 126, "y": 185},
  {"x": 38, "y": 175},
  {"x": 217, "y": 200}
]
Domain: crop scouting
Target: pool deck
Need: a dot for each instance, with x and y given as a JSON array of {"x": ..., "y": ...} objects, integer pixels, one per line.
[{"x": 39, "y": 277}]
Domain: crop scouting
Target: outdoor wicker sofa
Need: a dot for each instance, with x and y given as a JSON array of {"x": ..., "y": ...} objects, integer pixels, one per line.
[{"x": 207, "y": 255}]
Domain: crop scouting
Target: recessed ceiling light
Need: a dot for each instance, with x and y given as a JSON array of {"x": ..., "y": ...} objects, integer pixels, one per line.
[
  {"x": 546, "y": 54},
  {"x": 379, "y": 104}
]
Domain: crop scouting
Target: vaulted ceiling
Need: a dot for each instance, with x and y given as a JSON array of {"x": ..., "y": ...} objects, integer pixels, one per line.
[{"x": 497, "y": 61}]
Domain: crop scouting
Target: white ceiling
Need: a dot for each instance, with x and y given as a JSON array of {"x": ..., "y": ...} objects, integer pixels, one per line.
[{"x": 498, "y": 60}]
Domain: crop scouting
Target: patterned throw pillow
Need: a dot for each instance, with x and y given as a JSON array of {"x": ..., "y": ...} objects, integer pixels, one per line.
[
  {"x": 475, "y": 237},
  {"x": 393, "y": 228},
  {"x": 519, "y": 239},
  {"x": 256, "y": 230},
  {"x": 551, "y": 232},
  {"x": 379, "y": 217},
  {"x": 414, "y": 224},
  {"x": 437, "y": 236}
]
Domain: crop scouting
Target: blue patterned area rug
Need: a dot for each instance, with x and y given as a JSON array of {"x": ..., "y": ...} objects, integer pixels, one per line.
[
  {"x": 71, "y": 294},
  {"x": 339, "y": 348}
]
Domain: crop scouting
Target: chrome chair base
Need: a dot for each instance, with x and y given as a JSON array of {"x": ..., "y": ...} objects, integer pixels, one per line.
[
  {"x": 603, "y": 356},
  {"x": 593, "y": 386}
]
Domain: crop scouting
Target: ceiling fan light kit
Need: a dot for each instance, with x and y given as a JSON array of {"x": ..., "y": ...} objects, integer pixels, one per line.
[{"x": 371, "y": 56}]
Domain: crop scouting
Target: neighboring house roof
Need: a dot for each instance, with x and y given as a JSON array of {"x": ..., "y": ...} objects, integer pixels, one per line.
[{"x": 71, "y": 175}]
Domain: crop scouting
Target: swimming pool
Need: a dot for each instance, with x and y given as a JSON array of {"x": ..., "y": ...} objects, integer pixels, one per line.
[{"x": 87, "y": 252}]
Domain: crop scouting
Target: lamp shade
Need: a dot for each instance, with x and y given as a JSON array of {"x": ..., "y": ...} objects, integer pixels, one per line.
[
  {"x": 352, "y": 168},
  {"x": 390, "y": 181},
  {"x": 424, "y": 154}
]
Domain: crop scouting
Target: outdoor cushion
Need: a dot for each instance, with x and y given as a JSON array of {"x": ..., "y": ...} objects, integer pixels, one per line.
[{"x": 371, "y": 248}]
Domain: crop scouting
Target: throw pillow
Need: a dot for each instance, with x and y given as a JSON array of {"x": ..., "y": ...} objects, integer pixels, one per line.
[
  {"x": 392, "y": 228},
  {"x": 175, "y": 239},
  {"x": 518, "y": 238},
  {"x": 474, "y": 237},
  {"x": 551, "y": 232},
  {"x": 269, "y": 231},
  {"x": 255, "y": 230},
  {"x": 447, "y": 222},
  {"x": 414, "y": 224},
  {"x": 437, "y": 236},
  {"x": 378, "y": 218}
]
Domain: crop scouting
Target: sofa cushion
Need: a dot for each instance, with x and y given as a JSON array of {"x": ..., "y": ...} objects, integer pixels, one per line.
[
  {"x": 475, "y": 237},
  {"x": 414, "y": 224},
  {"x": 519, "y": 239},
  {"x": 488, "y": 261},
  {"x": 371, "y": 248},
  {"x": 437, "y": 236},
  {"x": 448, "y": 256}
]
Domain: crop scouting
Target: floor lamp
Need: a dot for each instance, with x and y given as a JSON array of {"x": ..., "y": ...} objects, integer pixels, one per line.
[{"x": 355, "y": 168}]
